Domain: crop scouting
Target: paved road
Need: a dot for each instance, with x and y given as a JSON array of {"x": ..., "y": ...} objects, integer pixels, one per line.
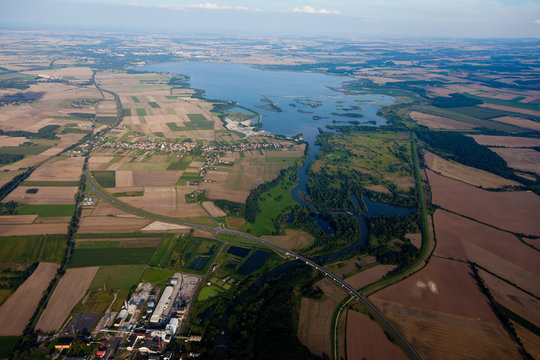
[{"x": 219, "y": 229}]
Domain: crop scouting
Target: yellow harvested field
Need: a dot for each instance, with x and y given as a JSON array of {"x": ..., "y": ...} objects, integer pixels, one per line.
[
  {"x": 212, "y": 209},
  {"x": 438, "y": 122},
  {"x": 16, "y": 311},
  {"x": 156, "y": 178},
  {"x": 292, "y": 240},
  {"x": 7, "y": 176},
  {"x": 369, "y": 276},
  {"x": 511, "y": 109},
  {"x": 467, "y": 174},
  {"x": 33, "y": 229},
  {"x": 522, "y": 123},
  {"x": 46, "y": 195},
  {"x": 110, "y": 224},
  {"x": 124, "y": 178},
  {"x": 505, "y": 141},
  {"x": 67, "y": 73},
  {"x": 17, "y": 219},
  {"x": 70, "y": 290},
  {"x": 517, "y": 211},
  {"x": 366, "y": 339},
  {"x": 59, "y": 169},
  {"x": 161, "y": 226},
  {"x": 315, "y": 320},
  {"x": 521, "y": 159}
]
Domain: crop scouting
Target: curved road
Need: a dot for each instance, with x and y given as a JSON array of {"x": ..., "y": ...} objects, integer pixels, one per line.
[{"x": 345, "y": 285}]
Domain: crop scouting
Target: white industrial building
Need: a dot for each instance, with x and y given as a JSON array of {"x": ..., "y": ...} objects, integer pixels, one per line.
[
  {"x": 163, "y": 304},
  {"x": 172, "y": 326}
]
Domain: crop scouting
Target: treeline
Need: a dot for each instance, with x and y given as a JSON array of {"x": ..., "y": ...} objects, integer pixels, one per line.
[
  {"x": 252, "y": 201},
  {"x": 46, "y": 132},
  {"x": 465, "y": 150},
  {"x": 384, "y": 229},
  {"x": 9, "y": 208},
  {"x": 10, "y": 186},
  {"x": 12, "y": 279},
  {"x": 10, "y": 158},
  {"x": 264, "y": 325},
  {"x": 231, "y": 208},
  {"x": 455, "y": 100}
]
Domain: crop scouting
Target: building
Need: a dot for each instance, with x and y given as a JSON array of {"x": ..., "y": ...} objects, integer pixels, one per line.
[
  {"x": 172, "y": 326},
  {"x": 163, "y": 304},
  {"x": 63, "y": 343}
]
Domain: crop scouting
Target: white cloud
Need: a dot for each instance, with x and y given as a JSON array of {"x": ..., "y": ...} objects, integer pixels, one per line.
[
  {"x": 311, "y": 10},
  {"x": 204, "y": 6},
  {"x": 537, "y": 21}
]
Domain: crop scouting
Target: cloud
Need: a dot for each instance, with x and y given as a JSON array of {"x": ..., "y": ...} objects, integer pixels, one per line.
[
  {"x": 204, "y": 6},
  {"x": 209, "y": 6},
  {"x": 311, "y": 10},
  {"x": 537, "y": 21}
]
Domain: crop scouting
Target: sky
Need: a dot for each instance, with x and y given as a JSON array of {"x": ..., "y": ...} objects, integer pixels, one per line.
[{"x": 341, "y": 18}]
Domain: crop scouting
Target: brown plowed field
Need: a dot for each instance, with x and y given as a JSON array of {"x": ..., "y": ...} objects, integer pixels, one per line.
[
  {"x": 212, "y": 209},
  {"x": 123, "y": 178},
  {"x": 67, "y": 294},
  {"x": 156, "y": 178},
  {"x": 531, "y": 342},
  {"x": 511, "y": 109},
  {"x": 110, "y": 224},
  {"x": 315, "y": 321},
  {"x": 438, "y": 122},
  {"x": 517, "y": 211},
  {"x": 467, "y": 174},
  {"x": 443, "y": 314},
  {"x": 19, "y": 307},
  {"x": 505, "y": 141},
  {"x": 51, "y": 195},
  {"x": 522, "y": 123},
  {"x": 17, "y": 219},
  {"x": 369, "y": 276},
  {"x": 521, "y": 303},
  {"x": 521, "y": 159},
  {"x": 366, "y": 340},
  {"x": 498, "y": 251}
]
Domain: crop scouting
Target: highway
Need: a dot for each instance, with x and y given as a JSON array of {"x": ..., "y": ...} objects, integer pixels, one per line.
[{"x": 219, "y": 229}]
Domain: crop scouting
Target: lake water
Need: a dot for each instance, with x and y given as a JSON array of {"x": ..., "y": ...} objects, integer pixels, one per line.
[{"x": 300, "y": 95}]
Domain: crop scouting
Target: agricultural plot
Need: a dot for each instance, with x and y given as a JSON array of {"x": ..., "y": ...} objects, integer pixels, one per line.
[
  {"x": 315, "y": 319},
  {"x": 292, "y": 240},
  {"x": 521, "y": 159},
  {"x": 515, "y": 211},
  {"x": 466, "y": 174},
  {"x": 70, "y": 290},
  {"x": 46, "y": 248},
  {"x": 440, "y": 310},
  {"x": 369, "y": 276},
  {"x": 517, "y": 121},
  {"x": 58, "y": 170},
  {"x": 111, "y": 256},
  {"x": 366, "y": 339},
  {"x": 500, "y": 252},
  {"x": 19, "y": 307},
  {"x": 111, "y": 224},
  {"x": 506, "y": 141},
  {"x": 117, "y": 276},
  {"x": 45, "y": 195},
  {"x": 439, "y": 122},
  {"x": 33, "y": 229}
]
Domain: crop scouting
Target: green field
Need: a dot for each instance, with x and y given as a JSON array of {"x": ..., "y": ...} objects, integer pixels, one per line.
[
  {"x": 48, "y": 248},
  {"x": 97, "y": 244},
  {"x": 196, "y": 122},
  {"x": 178, "y": 253},
  {"x": 105, "y": 178},
  {"x": 154, "y": 104},
  {"x": 157, "y": 276},
  {"x": 107, "y": 120},
  {"x": 129, "y": 193},
  {"x": 111, "y": 256},
  {"x": 512, "y": 103},
  {"x": 7, "y": 343},
  {"x": 188, "y": 176},
  {"x": 159, "y": 134},
  {"x": 47, "y": 210},
  {"x": 182, "y": 164},
  {"x": 141, "y": 112},
  {"x": 97, "y": 301},
  {"x": 22, "y": 149},
  {"x": 208, "y": 292},
  {"x": 272, "y": 203},
  {"x": 117, "y": 276},
  {"x": 135, "y": 99}
]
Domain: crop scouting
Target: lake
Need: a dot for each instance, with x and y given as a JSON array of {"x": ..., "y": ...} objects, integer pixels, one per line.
[{"x": 300, "y": 95}]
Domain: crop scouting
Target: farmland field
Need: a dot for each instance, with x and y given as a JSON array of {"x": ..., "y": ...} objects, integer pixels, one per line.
[
  {"x": 47, "y": 248},
  {"x": 19, "y": 307},
  {"x": 515, "y": 211},
  {"x": 369, "y": 276},
  {"x": 111, "y": 256},
  {"x": 105, "y": 178},
  {"x": 56, "y": 195},
  {"x": 47, "y": 210},
  {"x": 70, "y": 290},
  {"x": 117, "y": 276}
]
